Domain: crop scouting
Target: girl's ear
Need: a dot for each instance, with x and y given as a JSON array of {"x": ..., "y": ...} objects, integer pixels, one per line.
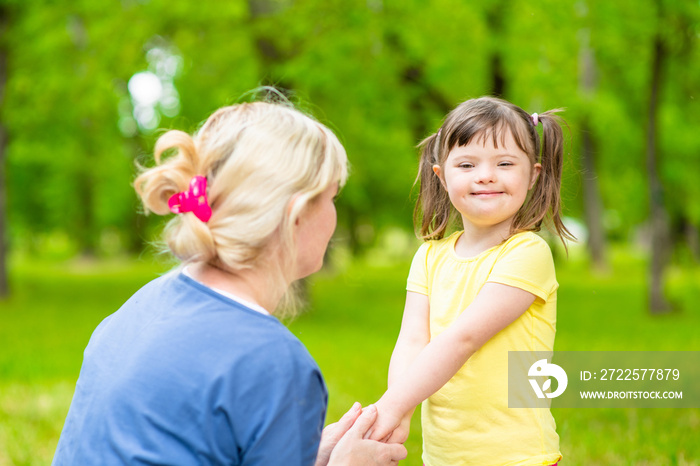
[
  {"x": 536, "y": 169},
  {"x": 438, "y": 171}
]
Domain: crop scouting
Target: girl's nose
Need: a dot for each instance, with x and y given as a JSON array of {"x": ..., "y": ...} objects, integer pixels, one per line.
[{"x": 485, "y": 174}]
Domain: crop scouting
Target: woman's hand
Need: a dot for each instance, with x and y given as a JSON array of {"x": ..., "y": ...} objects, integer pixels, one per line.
[
  {"x": 352, "y": 449},
  {"x": 334, "y": 432}
]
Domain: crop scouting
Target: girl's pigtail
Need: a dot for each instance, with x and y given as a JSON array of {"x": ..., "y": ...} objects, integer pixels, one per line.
[
  {"x": 433, "y": 209},
  {"x": 553, "y": 164},
  {"x": 546, "y": 195}
]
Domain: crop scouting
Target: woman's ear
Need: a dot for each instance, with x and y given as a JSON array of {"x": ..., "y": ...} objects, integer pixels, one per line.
[
  {"x": 438, "y": 171},
  {"x": 292, "y": 208},
  {"x": 536, "y": 170}
]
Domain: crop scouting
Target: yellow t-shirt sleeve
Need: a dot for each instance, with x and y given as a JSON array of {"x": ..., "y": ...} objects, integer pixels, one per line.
[
  {"x": 418, "y": 275},
  {"x": 526, "y": 263}
]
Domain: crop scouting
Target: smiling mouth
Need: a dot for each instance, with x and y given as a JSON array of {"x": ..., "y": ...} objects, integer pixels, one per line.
[{"x": 487, "y": 193}]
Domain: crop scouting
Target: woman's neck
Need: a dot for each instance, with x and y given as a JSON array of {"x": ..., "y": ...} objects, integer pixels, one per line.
[{"x": 252, "y": 285}]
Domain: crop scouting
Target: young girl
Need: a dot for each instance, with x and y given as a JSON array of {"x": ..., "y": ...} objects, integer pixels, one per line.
[
  {"x": 480, "y": 292},
  {"x": 195, "y": 368}
]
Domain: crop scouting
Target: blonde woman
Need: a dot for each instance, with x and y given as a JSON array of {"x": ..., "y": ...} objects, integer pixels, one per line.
[{"x": 195, "y": 368}]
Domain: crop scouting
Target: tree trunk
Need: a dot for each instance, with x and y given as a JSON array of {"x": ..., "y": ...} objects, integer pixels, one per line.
[
  {"x": 692, "y": 238},
  {"x": 270, "y": 53},
  {"x": 498, "y": 79},
  {"x": 660, "y": 238},
  {"x": 85, "y": 234},
  {"x": 136, "y": 239},
  {"x": 592, "y": 202},
  {"x": 413, "y": 75},
  {"x": 494, "y": 19},
  {"x": 4, "y": 287}
]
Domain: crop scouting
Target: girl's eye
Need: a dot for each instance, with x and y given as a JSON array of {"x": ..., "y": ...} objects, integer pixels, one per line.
[
  {"x": 466, "y": 165},
  {"x": 505, "y": 164}
]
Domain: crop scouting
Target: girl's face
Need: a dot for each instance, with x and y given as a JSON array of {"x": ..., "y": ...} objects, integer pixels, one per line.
[
  {"x": 315, "y": 227},
  {"x": 488, "y": 185}
]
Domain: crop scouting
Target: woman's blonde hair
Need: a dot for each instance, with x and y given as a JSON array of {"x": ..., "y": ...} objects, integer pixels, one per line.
[{"x": 264, "y": 163}]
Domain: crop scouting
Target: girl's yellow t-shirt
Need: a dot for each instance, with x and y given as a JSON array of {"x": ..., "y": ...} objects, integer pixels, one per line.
[{"x": 468, "y": 422}]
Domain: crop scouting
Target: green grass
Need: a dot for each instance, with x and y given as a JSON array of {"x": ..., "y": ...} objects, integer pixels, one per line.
[
  {"x": 44, "y": 328},
  {"x": 350, "y": 329}
]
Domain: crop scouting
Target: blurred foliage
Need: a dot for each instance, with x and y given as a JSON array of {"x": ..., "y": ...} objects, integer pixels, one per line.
[{"x": 381, "y": 73}]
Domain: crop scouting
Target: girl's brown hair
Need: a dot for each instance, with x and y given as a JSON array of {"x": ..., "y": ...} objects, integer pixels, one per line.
[{"x": 495, "y": 118}]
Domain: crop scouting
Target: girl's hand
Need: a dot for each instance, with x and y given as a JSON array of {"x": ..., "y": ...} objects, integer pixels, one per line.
[
  {"x": 400, "y": 434},
  {"x": 385, "y": 425}
]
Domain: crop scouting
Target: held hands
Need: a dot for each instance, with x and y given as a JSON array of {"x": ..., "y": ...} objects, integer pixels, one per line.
[
  {"x": 390, "y": 426},
  {"x": 344, "y": 443},
  {"x": 400, "y": 434}
]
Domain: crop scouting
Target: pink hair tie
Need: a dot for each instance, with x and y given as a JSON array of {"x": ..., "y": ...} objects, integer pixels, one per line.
[
  {"x": 193, "y": 200},
  {"x": 535, "y": 119}
]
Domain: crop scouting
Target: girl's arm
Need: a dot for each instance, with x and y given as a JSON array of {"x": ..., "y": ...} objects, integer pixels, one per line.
[
  {"x": 413, "y": 337},
  {"x": 414, "y": 334},
  {"x": 494, "y": 308}
]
